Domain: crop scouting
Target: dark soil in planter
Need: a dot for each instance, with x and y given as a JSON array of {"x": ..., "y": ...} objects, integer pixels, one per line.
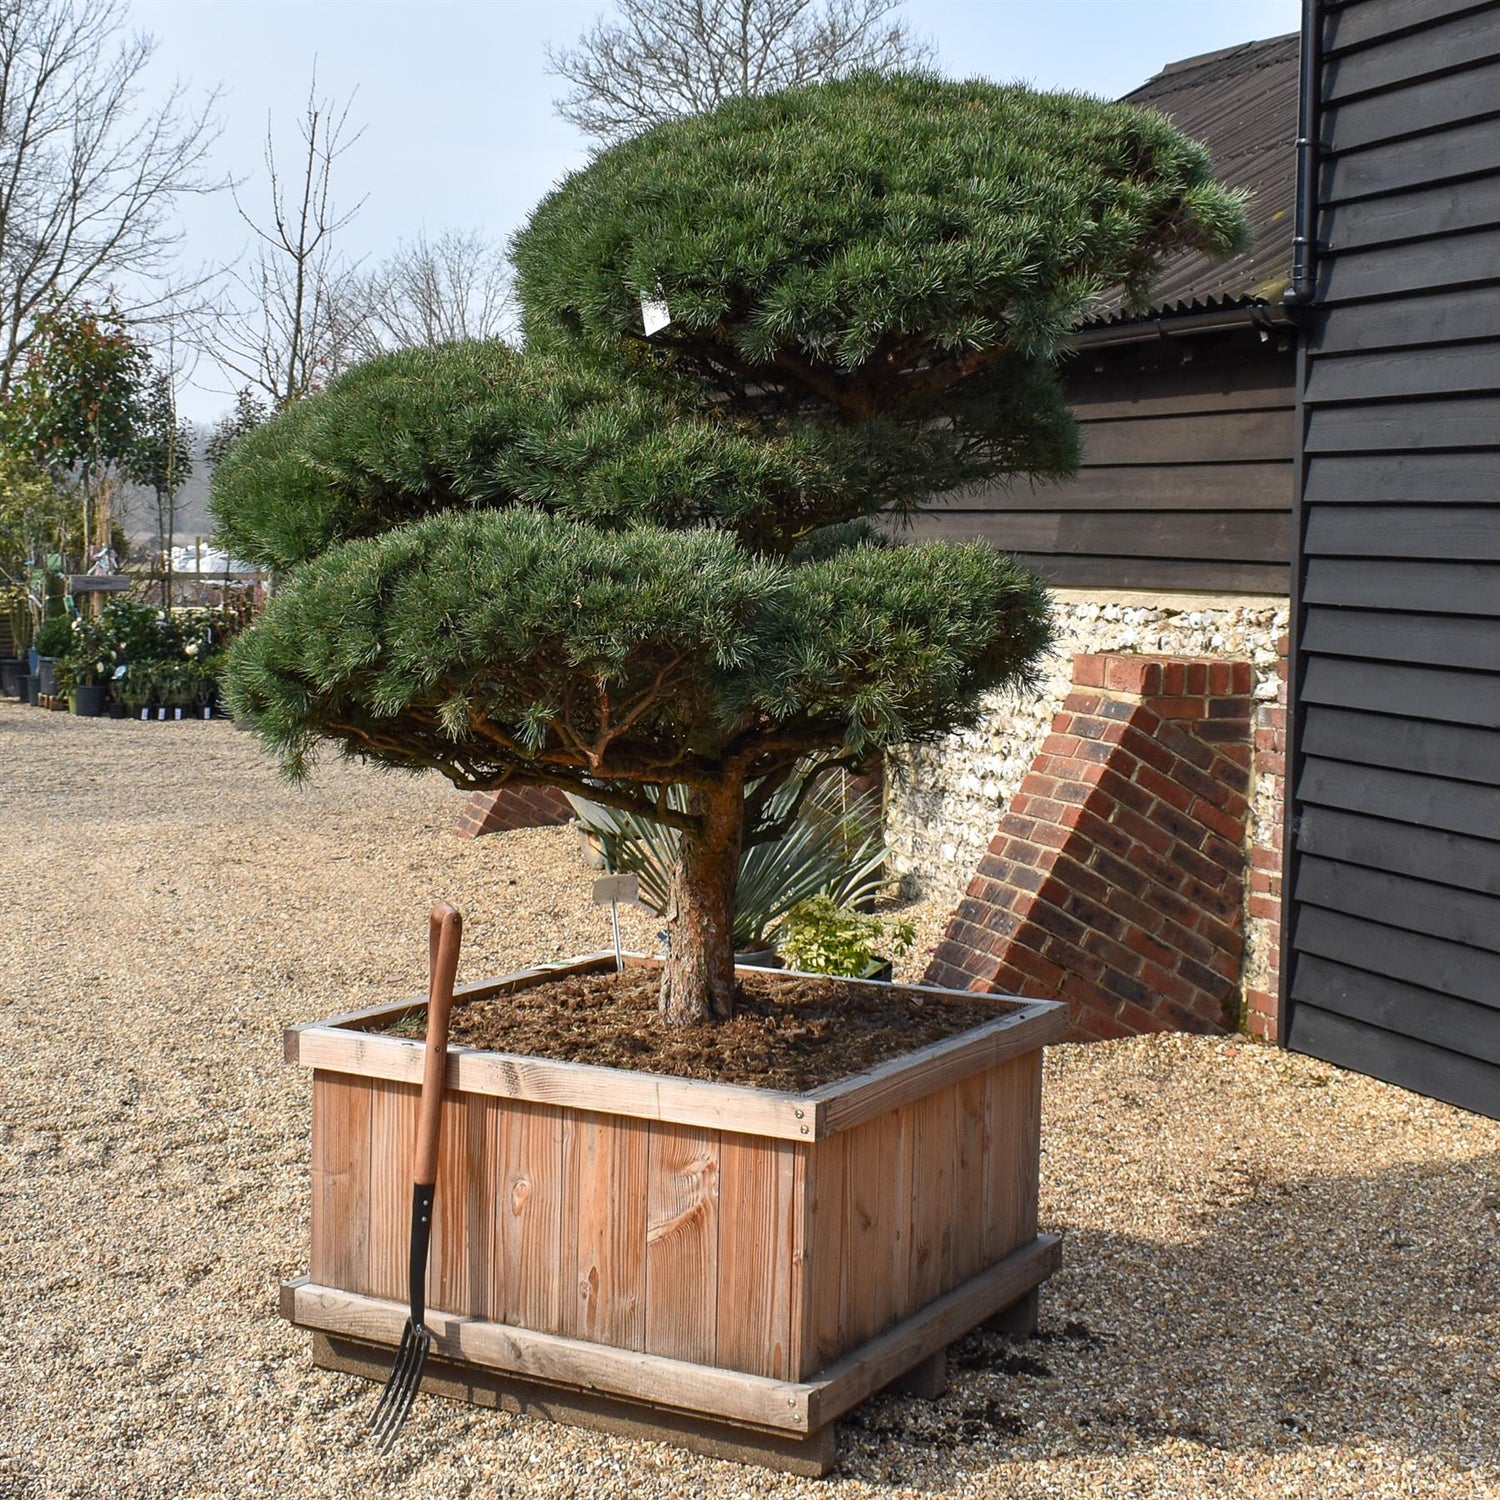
[{"x": 789, "y": 1034}]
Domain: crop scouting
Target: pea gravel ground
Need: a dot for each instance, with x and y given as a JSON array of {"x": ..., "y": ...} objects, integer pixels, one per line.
[{"x": 1281, "y": 1279}]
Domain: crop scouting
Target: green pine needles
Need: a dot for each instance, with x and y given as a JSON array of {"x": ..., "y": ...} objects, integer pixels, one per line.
[{"x": 623, "y": 564}]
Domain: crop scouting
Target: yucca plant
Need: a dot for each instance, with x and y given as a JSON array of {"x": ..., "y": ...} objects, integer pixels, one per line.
[{"x": 813, "y": 842}]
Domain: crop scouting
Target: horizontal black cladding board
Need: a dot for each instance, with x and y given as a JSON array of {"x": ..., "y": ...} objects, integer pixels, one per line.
[
  {"x": 1266, "y": 486},
  {"x": 1214, "y": 437},
  {"x": 1456, "y": 969},
  {"x": 1427, "y": 531},
  {"x": 1435, "y": 910},
  {"x": 1411, "y": 1009},
  {"x": 1436, "y": 854},
  {"x": 1428, "y": 104},
  {"x": 1257, "y": 375},
  {"x": 1373, "y": 21},
  {"x": 1459, "y": 588},
  {"x": 1391, "y": 61},
  {"x": 1415, "y": 266},
  {"x": 1422, "y": 213},
  {"x": 1410, "y": 321},
  {"x": 1209, "y": 536},
  {"x": 1451, "y": 369},
  {"x": 1116, "y": 406},
  {"x": 1402, "y": 796},
  {"x": 1436, "y": 640},
  {"x": 1168, "y": 574},
  {"x": 1442, "y": 156},
  {"x": 1418, "y": 692},
  {"x": 1164, "y": 573},
  {"x": 1433, "y": 478},
  {"x": 1386, "y": 426},
  {"x": 1437, "y": 1072},
  {"x": 1222, "y": 535},
  {"x": 1456, "y": 752}
]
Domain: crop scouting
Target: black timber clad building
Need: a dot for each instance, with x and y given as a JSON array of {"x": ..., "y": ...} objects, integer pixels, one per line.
[
  {"x": 1393, "y": 960},
  {"x": 1187, "y": 415}
]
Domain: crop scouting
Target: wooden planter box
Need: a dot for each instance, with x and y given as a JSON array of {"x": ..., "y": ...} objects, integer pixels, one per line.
[{"x": 725, "y": 1267}]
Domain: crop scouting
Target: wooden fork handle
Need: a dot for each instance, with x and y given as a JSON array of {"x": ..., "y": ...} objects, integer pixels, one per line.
[{"x": 444, "y": 932}]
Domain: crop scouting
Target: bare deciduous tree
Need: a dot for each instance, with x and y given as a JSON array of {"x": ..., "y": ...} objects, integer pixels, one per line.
[
  {"x": 431, "y": 292},
  {"x": 289, "y": 332},
  {"x": 87, "y": 179},
  {"x": 666, "y": 58}
]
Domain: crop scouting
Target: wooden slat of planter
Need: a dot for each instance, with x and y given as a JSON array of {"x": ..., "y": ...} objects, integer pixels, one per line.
[
  {"x": 875, "y": 1364},
  {"x": 641, "y": 1096},
  {"x": 458, "y": 1205},
  {"x": 933, "y": 1126},
  {"x": 757, "y": 1182},
  {"x": 528, "y": 1155},
  {"x": 603, "y": 1246},
  {"x": 682, "y": 1242},
  {"x": 735, "y": 1397},
  {"x": 1008, "y": 1209},
  {"x": 877, "y": 1225},
  {"x": 852, "y": 1100},
  {"x": 971, "y": 1168},
  {"x": 393, "y": 1130},
  {"x": 822, "y": 1337},
  {"x": 810, "y": 1456},
  {"x": 340, "y": 1180},
  {"x": 731, "y": 1396}
]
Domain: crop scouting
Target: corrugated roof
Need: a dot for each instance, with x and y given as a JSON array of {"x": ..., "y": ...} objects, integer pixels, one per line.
[{"x": 1241, "y": 102}]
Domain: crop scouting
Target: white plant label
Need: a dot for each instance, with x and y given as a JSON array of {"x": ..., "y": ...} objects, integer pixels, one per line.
[
  {"x": 655, "y": 315},
  {"x": 612, "y": 888}
]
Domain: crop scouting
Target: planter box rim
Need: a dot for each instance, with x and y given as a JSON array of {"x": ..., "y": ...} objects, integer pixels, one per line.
[{"x": 346, "y": 1044}]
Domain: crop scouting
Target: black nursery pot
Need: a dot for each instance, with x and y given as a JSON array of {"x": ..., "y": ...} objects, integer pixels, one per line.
[
  {"x": 12, "y": 674},
  {"x": 31, "y": 689},
  {"x": 88, "y": 700}
]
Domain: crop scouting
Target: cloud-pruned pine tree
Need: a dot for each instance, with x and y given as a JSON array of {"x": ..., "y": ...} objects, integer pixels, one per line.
[{"x": 618, "y": 562}]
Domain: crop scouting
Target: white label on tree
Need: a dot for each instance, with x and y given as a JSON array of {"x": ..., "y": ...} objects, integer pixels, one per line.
[{"x": 655, "y": 315}]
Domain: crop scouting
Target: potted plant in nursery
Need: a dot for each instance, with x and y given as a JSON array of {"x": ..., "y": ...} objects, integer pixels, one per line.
[
  {"x": 86, "y": 667},
  {"x": 53, "y": 639},
  {"x": 820, "y": 936},
  {"x": 633, "y": 562}
]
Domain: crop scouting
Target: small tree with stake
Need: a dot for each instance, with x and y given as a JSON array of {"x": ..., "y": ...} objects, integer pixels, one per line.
[{"x": 625, "y": 562}]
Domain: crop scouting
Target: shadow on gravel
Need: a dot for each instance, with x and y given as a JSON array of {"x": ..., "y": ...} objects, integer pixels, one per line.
[{"x": 1333, "y": 1312}]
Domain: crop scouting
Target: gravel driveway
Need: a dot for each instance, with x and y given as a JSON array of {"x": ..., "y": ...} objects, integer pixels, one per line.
[{"x": 1280, "y": 1279}]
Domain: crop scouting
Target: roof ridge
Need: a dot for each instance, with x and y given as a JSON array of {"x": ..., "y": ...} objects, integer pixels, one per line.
[{"x": 1203, "y": 59}]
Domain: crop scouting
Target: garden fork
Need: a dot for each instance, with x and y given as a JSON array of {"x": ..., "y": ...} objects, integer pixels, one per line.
[{"x": 444, "y": 929}]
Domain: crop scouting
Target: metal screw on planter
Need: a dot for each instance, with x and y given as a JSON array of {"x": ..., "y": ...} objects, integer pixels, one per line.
[
  {"x": 615, "y": 889},
  {"x": 444, "y": 931}
]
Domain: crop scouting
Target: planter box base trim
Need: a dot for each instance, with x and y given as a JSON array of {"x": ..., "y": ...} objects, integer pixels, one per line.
[
  {"x": 809, "y": 1457},
  {"x": 536, "y": 1368}
]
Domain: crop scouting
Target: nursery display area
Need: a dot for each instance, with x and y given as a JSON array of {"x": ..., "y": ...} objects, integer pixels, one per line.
[{"x": 1269, "y": 1284}]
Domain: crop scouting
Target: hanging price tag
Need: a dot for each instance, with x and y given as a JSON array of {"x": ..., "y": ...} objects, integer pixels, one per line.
[{"x": 655, "y": 315}]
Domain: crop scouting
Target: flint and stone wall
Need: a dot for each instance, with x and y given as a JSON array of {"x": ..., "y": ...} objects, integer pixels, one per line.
[{"x": 944, "y": 802}]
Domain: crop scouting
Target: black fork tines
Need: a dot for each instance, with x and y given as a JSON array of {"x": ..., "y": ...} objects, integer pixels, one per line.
[{"x": 401, "y": 1389}]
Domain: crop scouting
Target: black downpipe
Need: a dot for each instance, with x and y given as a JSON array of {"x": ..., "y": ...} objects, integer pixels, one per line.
[{"x": 1299, "y": 293}]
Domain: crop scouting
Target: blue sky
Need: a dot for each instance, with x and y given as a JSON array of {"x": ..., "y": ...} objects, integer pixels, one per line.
[{"x": 456, "y": 103}]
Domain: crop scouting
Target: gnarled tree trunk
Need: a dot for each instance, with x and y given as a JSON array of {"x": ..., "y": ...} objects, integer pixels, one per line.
[{"x": 697, "y": 983}]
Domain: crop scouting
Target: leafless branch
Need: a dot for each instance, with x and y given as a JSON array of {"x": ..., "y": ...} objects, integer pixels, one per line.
[
  {"x": 430, "y": 292},
  {"x": 87, "y": 180},
  {"x": 286, "y": 330},
  {"x": 664, "y": 58}
]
